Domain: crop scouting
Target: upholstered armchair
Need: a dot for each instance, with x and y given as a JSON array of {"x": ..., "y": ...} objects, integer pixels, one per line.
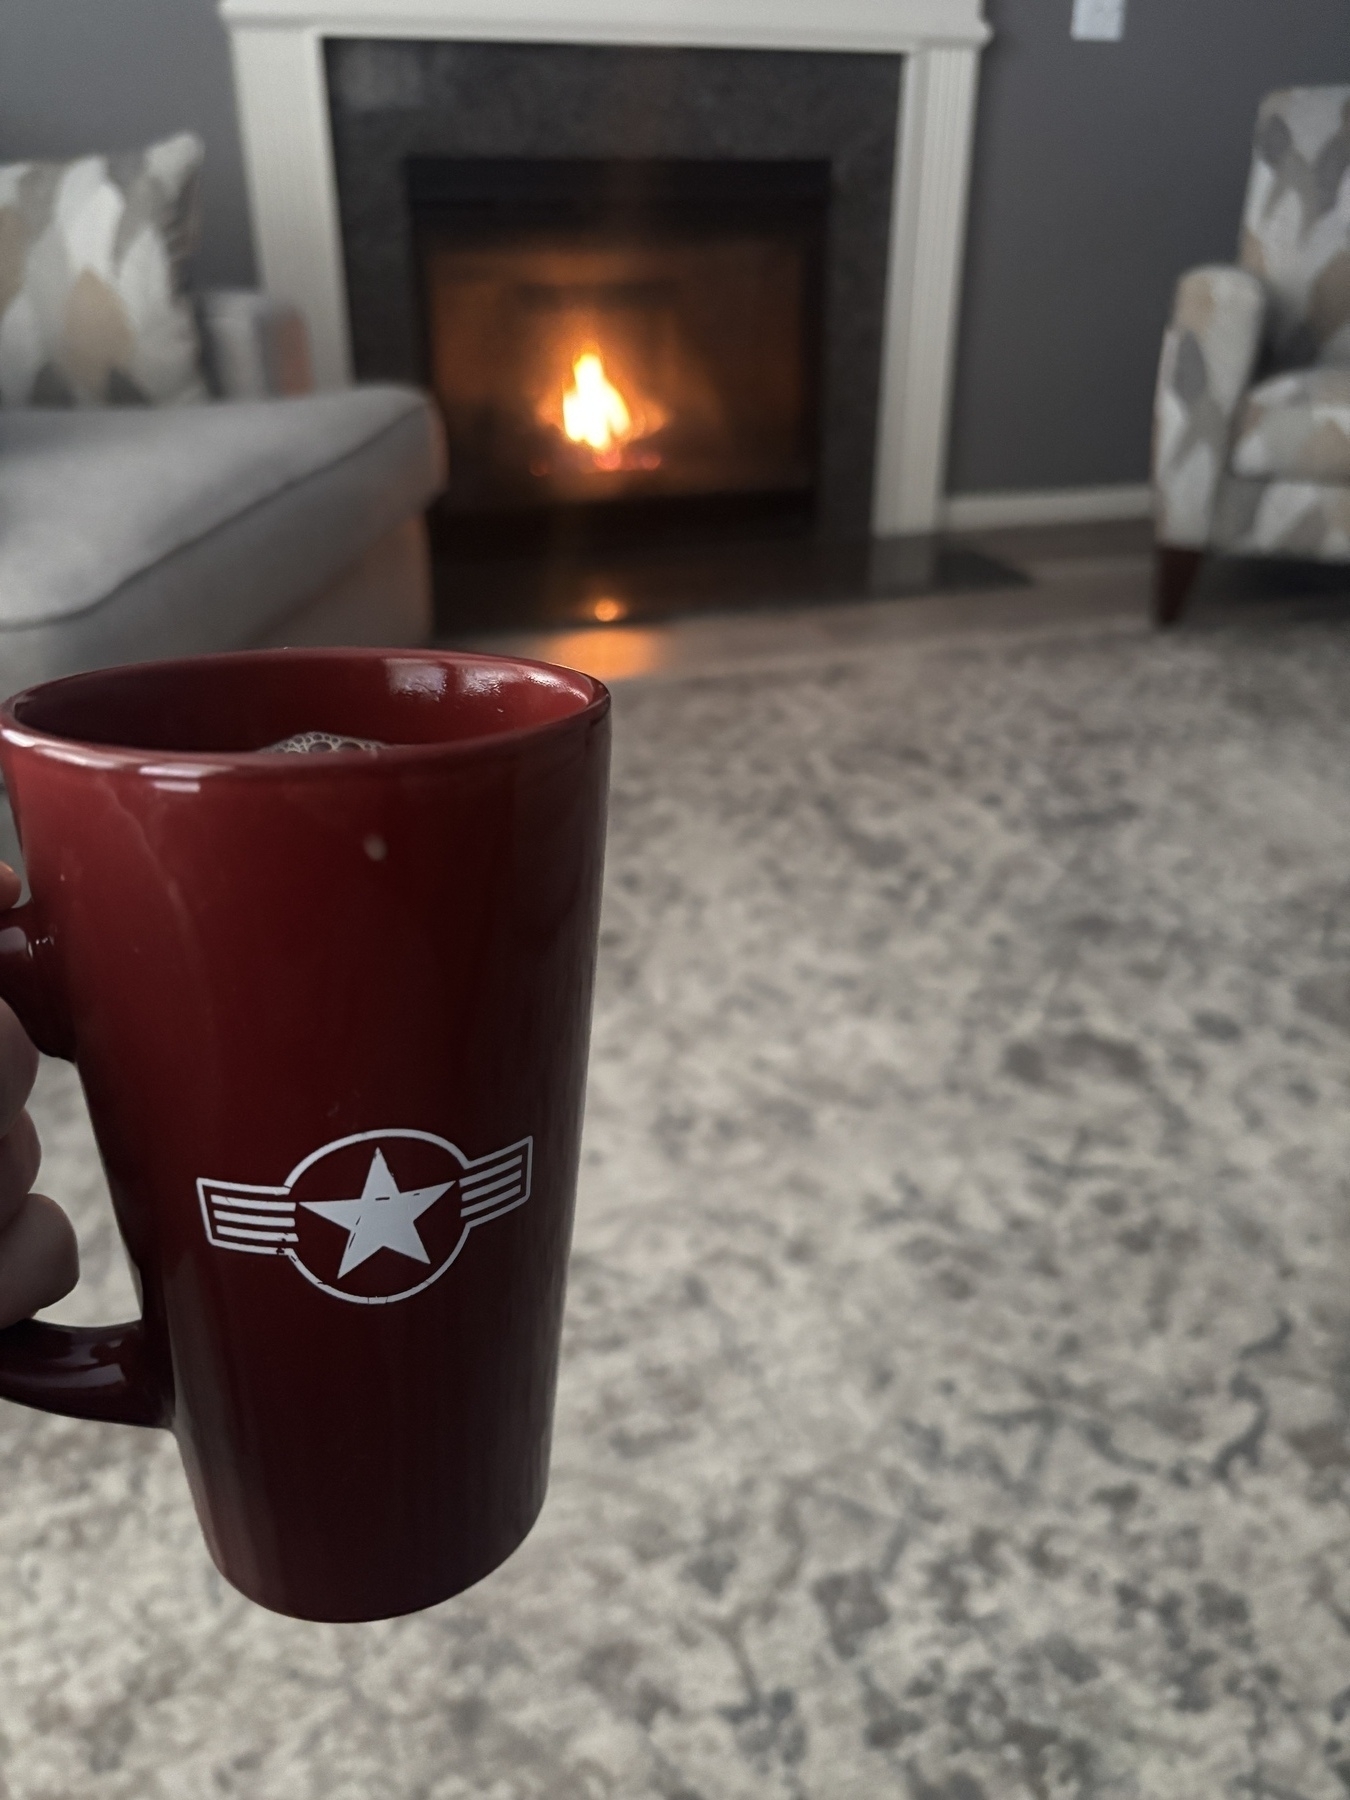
[{"x": 1251, "y": 447}]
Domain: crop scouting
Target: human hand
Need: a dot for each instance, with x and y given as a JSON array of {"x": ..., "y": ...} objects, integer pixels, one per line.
[{"x": 38, "y": 1259}]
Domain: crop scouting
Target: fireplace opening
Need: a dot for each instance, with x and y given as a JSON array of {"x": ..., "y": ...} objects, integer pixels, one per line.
[
  {"x": 649, "y": 289},
  {"x": 621, "y": 344},
  {"x": 636, "y": 372}
]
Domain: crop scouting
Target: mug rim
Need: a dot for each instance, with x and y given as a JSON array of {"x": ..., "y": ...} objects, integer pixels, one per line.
[{"x": 149, "y": 759}]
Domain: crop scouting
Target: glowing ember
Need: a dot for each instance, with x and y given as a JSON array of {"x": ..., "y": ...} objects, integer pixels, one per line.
[{"x": 595, "y": 415}]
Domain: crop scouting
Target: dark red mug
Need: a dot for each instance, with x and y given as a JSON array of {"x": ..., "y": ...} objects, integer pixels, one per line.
[{"x": 331, "y": 1016}]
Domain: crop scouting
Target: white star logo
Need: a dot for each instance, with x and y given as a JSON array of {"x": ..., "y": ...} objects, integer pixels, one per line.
[
  {"x": 256, "y": 1219},
  {"x": 384, "y": 1218}
]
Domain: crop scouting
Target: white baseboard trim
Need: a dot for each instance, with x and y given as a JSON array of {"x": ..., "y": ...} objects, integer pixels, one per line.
[{"x": 1046, "y": 506}]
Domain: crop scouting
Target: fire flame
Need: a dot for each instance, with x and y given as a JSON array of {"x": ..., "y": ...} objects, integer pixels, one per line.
[
  {"x": 594, "y": 411},
  {"x": 594, "y": 414}
]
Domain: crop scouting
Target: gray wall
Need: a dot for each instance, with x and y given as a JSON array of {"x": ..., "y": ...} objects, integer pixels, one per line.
[{"x": 1101, "y": 171}]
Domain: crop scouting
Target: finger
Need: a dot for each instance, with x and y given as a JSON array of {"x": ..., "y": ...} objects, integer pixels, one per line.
[
  {"x": 10, "y": 887},
  {"x": 20, "y": 1160},
  {"x": 39, "y": 1260},
  {"x": 18, "y": 1068}
]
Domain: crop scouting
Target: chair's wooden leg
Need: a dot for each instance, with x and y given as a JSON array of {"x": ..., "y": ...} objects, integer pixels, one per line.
[{"x": 1174, "y": 573}]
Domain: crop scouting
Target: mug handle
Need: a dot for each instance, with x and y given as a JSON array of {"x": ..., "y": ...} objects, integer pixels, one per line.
[{"x": 86, "y": 1372}]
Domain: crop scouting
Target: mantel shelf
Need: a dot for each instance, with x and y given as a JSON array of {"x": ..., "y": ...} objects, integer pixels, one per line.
[{"x": 886, "y": 26}]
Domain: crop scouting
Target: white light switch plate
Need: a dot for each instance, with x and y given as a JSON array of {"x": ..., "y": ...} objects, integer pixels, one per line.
[{"x": 1101, "y": 20}]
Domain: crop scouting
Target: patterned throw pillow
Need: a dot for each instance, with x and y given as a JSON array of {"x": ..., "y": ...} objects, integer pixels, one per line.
[{"x": 91, "y": 253}]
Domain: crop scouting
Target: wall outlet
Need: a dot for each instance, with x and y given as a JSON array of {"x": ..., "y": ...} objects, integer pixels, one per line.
[{"x": 1100, "y": 20}]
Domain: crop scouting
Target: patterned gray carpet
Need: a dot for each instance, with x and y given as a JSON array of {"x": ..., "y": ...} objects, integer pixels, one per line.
[{"x": 956, "y": 1401}]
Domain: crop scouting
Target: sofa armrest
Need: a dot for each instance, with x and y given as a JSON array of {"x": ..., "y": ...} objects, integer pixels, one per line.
[
  {"x": 255, "y": 347},
  {"x": 1209, "y": 353}
]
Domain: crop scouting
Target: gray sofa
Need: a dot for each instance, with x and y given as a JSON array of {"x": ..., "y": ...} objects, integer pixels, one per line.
[{"x": 276, "y": 515}]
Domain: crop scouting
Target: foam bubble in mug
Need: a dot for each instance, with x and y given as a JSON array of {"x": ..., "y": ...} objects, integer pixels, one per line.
[{"x": 318, "y": 743}]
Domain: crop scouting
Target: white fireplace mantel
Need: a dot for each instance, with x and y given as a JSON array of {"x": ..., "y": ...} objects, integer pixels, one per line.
[{"x": 283, "y": 107}]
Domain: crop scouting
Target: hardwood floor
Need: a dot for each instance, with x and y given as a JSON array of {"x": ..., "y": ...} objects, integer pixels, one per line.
[{"x": 1074, "y": 573}]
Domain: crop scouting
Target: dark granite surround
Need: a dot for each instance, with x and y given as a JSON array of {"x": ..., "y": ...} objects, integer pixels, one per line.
[{"x": 393, "y": 100}]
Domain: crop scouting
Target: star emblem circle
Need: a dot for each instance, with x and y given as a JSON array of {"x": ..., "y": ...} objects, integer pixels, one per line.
[
  {"x": 377, "y": 1217},
  {"x": 364, "y": 1216}
]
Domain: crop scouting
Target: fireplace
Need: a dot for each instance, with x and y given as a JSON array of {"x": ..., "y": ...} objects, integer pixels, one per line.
[
  {"x": 623, "y": 167},
  {"x": 605, "y": 333},
  {"x": 333, "y": 95},
  {"x": 813, "y": 158}
]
